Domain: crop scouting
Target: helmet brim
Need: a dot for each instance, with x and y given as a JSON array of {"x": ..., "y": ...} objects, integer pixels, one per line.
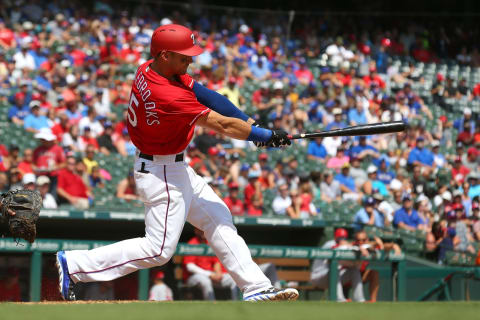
[{"x": 191, "y": 52}]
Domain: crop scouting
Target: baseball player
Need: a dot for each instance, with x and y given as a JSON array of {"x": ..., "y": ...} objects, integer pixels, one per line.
[
  {"x": 165, "y": 106},
  {"x": 348, "y": 271}
]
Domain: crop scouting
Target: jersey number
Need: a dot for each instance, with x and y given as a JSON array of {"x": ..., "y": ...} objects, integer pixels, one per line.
[{"x": 131, "y": 110}]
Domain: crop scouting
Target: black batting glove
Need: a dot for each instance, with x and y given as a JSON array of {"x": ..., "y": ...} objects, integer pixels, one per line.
[
  {"x": 278, "y": 139},
  {"x": 258, "y": 144}
]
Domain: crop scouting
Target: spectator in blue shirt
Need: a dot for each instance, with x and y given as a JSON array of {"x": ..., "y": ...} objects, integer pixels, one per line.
[
  {"x": 259, "y": 67},
  {"x": 35, "y": 120},
  {"x": 373, "y": 183},
  {"x": 438, "y": 158},
  {"x": 383, "y": 174},
  {"x": 406, "y": 217},
  {"x": 467, "y": 117},
  {"x": 363, "y": 150},
  {"x": 420, "y": 155},
  {"x": 338, "y": 121},
  {"x": 347, "y": 183},
  {"x": 316, "y": 150},
  {"x": 368, "y": 215},
  {"x": 357, "y": 115},
  {"x": 19, "y": 110}
]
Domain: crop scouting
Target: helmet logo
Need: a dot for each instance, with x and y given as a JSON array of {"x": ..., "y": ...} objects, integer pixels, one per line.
[{"x": 193, "y": 38}]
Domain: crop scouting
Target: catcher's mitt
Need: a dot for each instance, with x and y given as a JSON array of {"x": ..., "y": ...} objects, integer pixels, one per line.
[{"x": 26, "y": 204}]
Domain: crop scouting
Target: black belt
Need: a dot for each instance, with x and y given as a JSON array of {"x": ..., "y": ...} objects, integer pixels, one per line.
[{"x": 178, "y": 157}]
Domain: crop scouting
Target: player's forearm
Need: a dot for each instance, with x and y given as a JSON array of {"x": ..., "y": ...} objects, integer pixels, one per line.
[
  {"x": 233, "y": 127},
  {"x": 217, "y": 102}
]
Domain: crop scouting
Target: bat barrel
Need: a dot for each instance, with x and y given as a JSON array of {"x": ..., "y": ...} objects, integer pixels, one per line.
[{"x": 361, "y": 130}]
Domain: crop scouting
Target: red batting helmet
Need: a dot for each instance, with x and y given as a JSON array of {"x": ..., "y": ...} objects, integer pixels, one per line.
[
  {"x": 340, "y": 233},
  {"x": 175, "y": 38}
]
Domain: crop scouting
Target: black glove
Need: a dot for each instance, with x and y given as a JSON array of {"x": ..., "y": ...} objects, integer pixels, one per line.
[
  {"x": 278, "y": 139},
  {"x": 258, "y": 144},
  {"x": 26, "y": 204}
]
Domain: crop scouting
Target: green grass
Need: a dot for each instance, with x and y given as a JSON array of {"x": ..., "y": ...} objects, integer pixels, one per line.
[{"x": 239, "y": 310}]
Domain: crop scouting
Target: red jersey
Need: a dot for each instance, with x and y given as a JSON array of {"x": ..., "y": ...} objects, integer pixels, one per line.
[
  {"x": 162, "y": 113},
  {"x": 236, "y": 207},
  {"x": 46, "y": 157},
  {"x": 72, "y": 183},
  {"x": 204, "y": 262}
]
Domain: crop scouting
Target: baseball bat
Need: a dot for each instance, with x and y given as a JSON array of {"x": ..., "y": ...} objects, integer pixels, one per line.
[{"x": 361, "y": 130}]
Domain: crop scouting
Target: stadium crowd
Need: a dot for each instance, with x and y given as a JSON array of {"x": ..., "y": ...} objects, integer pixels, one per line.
[{"x": 66, "y": 74}]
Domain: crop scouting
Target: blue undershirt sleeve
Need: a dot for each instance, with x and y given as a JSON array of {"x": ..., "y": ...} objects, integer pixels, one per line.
[{"x": 217, "y": 102}]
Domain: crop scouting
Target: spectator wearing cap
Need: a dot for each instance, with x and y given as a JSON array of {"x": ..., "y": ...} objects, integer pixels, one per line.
[
  {"x": 28, "y": 181},
  {"x": 474, "y": 181},
  {"x": 123, "y": 143},
  {"x": 406, "y": 217},
  {"x": 48, "y": 157},
  {"x": 35, "y": 121},
  {"x": 234, "y": 204},
  {"x": 459, "y": 124},
  {"x": 160, "y": 291},
  {"x": 87, "y": 139},
  {"x": 438, "y": 159},
  {"x": 419, "y": 155},
  {"x": 471, "y": 162},
  {"x": 466, "y": 135},
  {"x": 71, "y": 188},
  {"x": 383, "y": 173},
  {"x": 348, "y": 270},
  {"x": 303, "y": 73},
  {"x": 105, "y": 141},
  {"x": 43, "y": 185},
  {"x": 91, "y": 121},
  {"x": 259, "y": 67},
  {"x": 316, "y": 150},
  {"x": 368, "y": 215},
  {"x": 347, "y": 184},
  {"x": 20, "y": 109},
  {"x": 459, "y": 171},
  {"x": 363, "y": 150},
  {"x": 373, "y": 183},
  {"x": 242, "y": 179},
  {"x": 337, "y": 120},
  {"x": 23, "y": 59},
  {"x": 337, "y": 162},
  {"x": 253, "y": 187}
]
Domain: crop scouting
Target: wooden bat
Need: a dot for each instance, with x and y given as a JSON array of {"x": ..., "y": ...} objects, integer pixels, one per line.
[{"x": 360, "y": 130}]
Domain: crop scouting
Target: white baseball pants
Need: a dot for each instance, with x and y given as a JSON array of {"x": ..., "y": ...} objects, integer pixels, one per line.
[{"x": 172, "y": 193}]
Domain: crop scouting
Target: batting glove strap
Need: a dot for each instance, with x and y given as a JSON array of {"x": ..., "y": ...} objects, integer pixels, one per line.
[
  {"x": 279, "y": 139},
  {"x": 255, "y": 135}
]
